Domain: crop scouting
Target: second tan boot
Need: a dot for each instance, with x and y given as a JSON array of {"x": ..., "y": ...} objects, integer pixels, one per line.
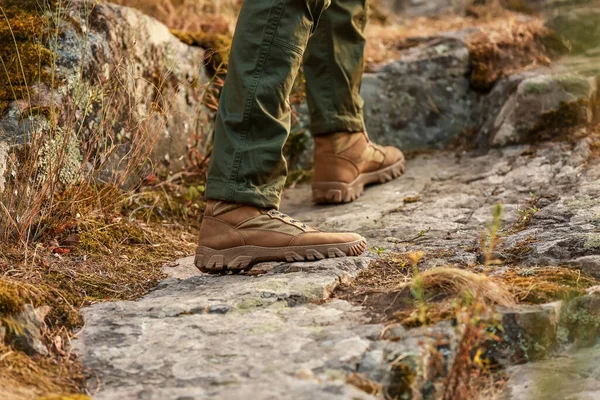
[{"x": 346, "y": 162}]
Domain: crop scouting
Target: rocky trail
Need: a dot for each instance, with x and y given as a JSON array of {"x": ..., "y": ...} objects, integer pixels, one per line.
[
  {"x": 282, "y": 332},
  {"x": 493, "y": 110}
]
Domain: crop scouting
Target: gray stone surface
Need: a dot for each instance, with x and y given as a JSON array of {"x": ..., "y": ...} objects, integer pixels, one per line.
[
  {"x": 229, "y": 337},
  {"x": 574, "y": 375},
  {"x": 272, "y": 335}
]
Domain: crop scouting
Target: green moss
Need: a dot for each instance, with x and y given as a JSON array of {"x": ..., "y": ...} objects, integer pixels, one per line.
[
  {"x": 104, "y": 239},
  {"x": 216, "y": 45},
  {"x": 14, "y": 295},
  {"x": 24, "y": 57}
]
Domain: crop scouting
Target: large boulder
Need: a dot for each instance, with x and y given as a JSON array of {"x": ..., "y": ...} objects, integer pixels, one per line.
[
  {"x": 118, "y": 83},
  {"x": 423, "y": 100},
  {"x": 542, "y": 106},
  {"x": 530, "y": 332}
]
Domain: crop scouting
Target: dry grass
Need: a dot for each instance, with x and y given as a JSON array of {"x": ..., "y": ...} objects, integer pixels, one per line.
[
  {"x": 392, "y": 290},
  {"x": 500, "y": 42},
  {"x": 503, "y": 50},
  {"x": 78, "y": 224},
  {"x": 363, "y": 383},
  {"x": 386, "y": 41},
  {"x": 23, "y": 378},
  {"x": 453, "y": 282},
  {"x": 545, "y": 284}
]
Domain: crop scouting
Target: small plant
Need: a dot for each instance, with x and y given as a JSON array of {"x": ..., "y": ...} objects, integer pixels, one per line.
[
  {"x": 378, "y": 250},
  {"x": 417, "y": 288},
  {"x": 525, "y": 216},
  {"x": 476, "y": 324},
  {"x": 490, "y": 239}
]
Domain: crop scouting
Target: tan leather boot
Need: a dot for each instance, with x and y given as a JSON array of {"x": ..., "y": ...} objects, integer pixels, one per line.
[
  {"x": 346, "y": 162},
  {"x": 234, "y": 237}
]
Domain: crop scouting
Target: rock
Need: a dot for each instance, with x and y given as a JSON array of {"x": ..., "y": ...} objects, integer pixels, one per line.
[
  {"x": 530, "y": 333},
  {"x": 418, "y": 363},
  {"x": 182, "y": 269},
  {"x": 394, "y": 332},
  {"x": 574, "y": 375},
  {"x": 582, "y": 320},
  {"x": 425, "y": 99},
  {"x": 29, "y": 324},
  {"x": 422, "y": 100},
  {"x": 224, "y": 337},
  {"x": 588, "y": 264},
  {"x": 544, "y": 104},
  {"x": 580, "y": 27},
  {"x": 490, "y": 106},
  {"x": 118, "y": 73}
]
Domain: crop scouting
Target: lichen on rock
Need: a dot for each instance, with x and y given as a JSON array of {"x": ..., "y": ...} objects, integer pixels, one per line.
[{"x": 60, "y": 156}]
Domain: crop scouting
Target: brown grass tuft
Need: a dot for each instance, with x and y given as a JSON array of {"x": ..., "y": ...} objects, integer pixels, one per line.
[{"x": 454, "y": 282}]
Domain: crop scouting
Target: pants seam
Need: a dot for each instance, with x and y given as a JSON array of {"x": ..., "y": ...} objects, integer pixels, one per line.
[{"x": 288, "y": 46}]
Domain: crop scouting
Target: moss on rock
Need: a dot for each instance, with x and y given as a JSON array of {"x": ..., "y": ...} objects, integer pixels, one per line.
[
  {"x": 216, "y": 44},
  {"x": 25, "y": 58}
]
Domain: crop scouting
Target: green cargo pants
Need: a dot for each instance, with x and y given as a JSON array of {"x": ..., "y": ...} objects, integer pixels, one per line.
[{"x": 272, "y": 39}]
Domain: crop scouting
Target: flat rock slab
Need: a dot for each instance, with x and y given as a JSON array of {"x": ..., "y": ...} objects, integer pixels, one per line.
[
  {"x": 273, "y": 336},
  {"x": 226, "y": 337}
]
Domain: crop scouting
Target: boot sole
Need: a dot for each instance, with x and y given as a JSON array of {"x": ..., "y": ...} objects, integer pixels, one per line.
[
  {"x": 340, "y": 192},
  {"x": 243, "y": 258}
]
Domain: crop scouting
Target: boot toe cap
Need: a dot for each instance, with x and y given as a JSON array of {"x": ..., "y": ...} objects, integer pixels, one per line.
[{"x": 392, "y": 155}]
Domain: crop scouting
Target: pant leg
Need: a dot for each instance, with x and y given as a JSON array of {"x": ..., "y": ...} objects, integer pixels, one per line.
[
  {"x": 333, "y": 65},
  {"x": 253, "y": 120}
]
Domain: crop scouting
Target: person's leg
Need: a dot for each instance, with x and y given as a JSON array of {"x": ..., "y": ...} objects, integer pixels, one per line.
[
  {"x": 333, "y": 66},
  {"x": 240, "y": 226},
  {"x": 345, "y": 159},
  {"x": 253, "y": 121}
]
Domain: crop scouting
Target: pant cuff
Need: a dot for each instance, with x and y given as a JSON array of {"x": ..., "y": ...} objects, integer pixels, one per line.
[
  {"x": 324, "y": 124},
  {"x": 226, "y": 191}
]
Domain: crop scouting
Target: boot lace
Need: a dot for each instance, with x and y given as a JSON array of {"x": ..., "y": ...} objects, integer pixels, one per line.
[{"x": 287, "y": 218}]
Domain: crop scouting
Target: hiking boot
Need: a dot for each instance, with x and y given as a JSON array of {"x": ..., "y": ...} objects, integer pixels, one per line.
[
  {"x": 346, "y": 162},
  {"x": 234, "y": 237}
]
